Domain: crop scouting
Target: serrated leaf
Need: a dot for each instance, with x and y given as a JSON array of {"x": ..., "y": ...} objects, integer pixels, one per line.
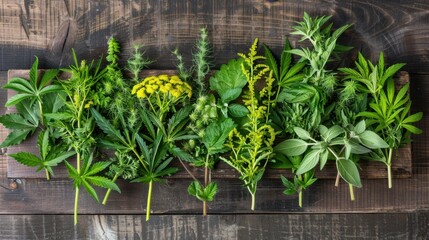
[
  {"x": 216, "y": 134},
  {"x": 291, "y": 147},
  {"x": 271, "y": 61},
  {"x": 301, "y": 133},
  {"x": 194, "y": 188},
  {"x": 103, "y": 182},
  {"x": 96, "y": 168},
  {"x": 107, "y": 127},
  {"x": 90, "y": 190},
  {"x": 63, "y": 156},
  {"x": 15, "y": 99},
  {"x": 26, "y": 158},
  {"x": 237, "y": 110},
  {"x": 15, "y": 121},
  {"x": 349, "y": 172},
  {"x": 15, "y": 137},
  {"x": 210, "y": 191}
]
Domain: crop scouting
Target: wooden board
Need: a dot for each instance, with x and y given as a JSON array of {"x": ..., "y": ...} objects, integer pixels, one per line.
[
  {"x": 401, "y": 162},
  {"x": 50, "y": 28},
  {"x": 218, "y": 227}
]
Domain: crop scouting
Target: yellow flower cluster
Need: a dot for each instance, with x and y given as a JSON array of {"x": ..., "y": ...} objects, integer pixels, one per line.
[{"x": 162, "y": 85}]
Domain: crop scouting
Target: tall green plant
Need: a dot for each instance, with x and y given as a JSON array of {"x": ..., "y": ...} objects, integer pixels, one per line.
[
  {"x": 251, "y": 141},
  {"x": 389, "y": 109}
]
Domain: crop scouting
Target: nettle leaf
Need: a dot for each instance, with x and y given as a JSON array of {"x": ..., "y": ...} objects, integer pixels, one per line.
[
  {"x": 216, "y": 134},
  {"x": 309, "y": 162},
  {"x": 291, "y": 147},
  {"x": 349, "y": 172},
  {"x": 194, "y": 188},
  {"x": 229, "y": 79},
  {"x": 371, "y": 140},
  {"x": 237, "y": 110},
  {"x": 301, "y": 133}
]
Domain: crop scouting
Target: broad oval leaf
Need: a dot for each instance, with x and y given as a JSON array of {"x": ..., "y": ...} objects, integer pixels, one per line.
[
  {"x": 309, "y": 162},
  {"x": 291, "y": 147},
  {"x": 371, "y": 140},
  {"x": 301, "y": 133},
  {"x": 333, "y": 132},
  {"x": 349, "y": 172},
  {"x": 237, "y": 110}
]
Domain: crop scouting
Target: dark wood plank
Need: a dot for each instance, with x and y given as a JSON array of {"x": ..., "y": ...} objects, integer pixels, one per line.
[
  {"x": 218, "y": 227},
  {"x": 50, "y": 29}
]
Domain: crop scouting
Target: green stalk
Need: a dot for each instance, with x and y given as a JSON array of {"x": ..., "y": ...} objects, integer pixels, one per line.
[
  {"x": 206, "y": 179},
  {"x": 300, "y": 198},
  {"x": 41, "y": 112},
  {"x": 149, "y": 198},
  {"x": 76, "y": 200},
  {"x": 253, "y": 200},
  {"x": 48, "y": 177},
  {"x": 352, "y": 194},
  {"x": 109, "y": 190},
  {"x": 389, "y": 168}
]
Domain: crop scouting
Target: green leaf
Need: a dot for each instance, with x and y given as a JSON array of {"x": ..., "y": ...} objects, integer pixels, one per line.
[
  {"x": 413, "y": 118},
  {"x": 323, "y": 158},
  {"x": 309, "y": 162},
  {"x": 26, "y": 158},
  {"x": 349, "y": 172},
  {"x": 60, "y": 116},
  {"x": 271, "y": 61},
  {"x": 15, "y": 121},
  {"x": 90, "y": 190},
  {"x": 15, "y": 99},
  {"x": 356, "y": 148},
  {"x": 301, "y": 133},
  {"x": 412, "y": 128},
  {"x": 371, "y": 140},
  {"x": 19, "y": 85},
  {"x": 237, "y": 110},
  {"x": 106, "y": 127},
  {"x": 63, "y": 156},
  {"x": 15, "y": 137},
  {"x": 291, "y": 147},
  {"x": 48, "y": 75},
  {"x": 103, "y": 182},
  {"x": 229, "y": 79},
  {"x": 96, "y": 168}
]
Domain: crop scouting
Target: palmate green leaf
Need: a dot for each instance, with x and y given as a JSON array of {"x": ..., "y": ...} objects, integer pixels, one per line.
[
  {"x": 34, "y": 73},
  {"x": 309, "y": 162},
  {"x": 291, "y": 147},
  {"x": 19, "y": 85},
  {"x": 27, "y": 159},
  {"x": 372, "y": 140},
  {"x": 96, "y": 168},
  {"x": 291, "y": 75},
  {"x": 210, "y": 191},
  {"x": 15, "y": 121},
  {"x": 90, "y": 190},
  {"x": 15, "y": 137},
  {"x": 271, "y": 61},
  {"x": 73, "y": 173},
  {"x": 103, "y": 182},
  {"x": 29, "y": 112},
  {"x": 180, "y": 153},
  {"x": 17, "y": 98},
  {"x": 194, "y": 188},
  {"x": 332, "y": 133},
  {"x": 48, "y": 76},
  {"x": 390, "y": 71},
  {"x": 349, "y": 172},
  {"x": 412, "y": 129},
  {"x": 50, "y": 89},
  {"x": 54, "y": 161},
  {"x": 402, "y": 94},
  {"x": 106, "y": 127}
]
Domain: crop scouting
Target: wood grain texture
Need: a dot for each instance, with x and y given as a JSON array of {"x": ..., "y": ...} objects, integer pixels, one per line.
[
  {"x": 50, "y": 28},
  {"x": 218, "y": 227},
  {"x": 401, "y": 162}
]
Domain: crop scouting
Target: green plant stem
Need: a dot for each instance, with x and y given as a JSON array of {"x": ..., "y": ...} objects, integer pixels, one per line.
[
  {"x": 300, "y": 198},
  {"x": 389, "y": 168},
  {"x": 41, "y": 112},
  {"x": 253, "y": 201},
  {"x": 352, "y": 194},
  {"x": 337, "y": 180},
  {"x": 149, "y": 198},
  {"x": 76, "y": 202},
  {"x": 109, "y": 190},
  {"x": 48, "y": 177},
  {"x": 206, "y": 181}
]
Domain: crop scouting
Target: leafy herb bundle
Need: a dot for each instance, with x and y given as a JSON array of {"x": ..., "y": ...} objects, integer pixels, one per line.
[{"x": 251, "y": 141}]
